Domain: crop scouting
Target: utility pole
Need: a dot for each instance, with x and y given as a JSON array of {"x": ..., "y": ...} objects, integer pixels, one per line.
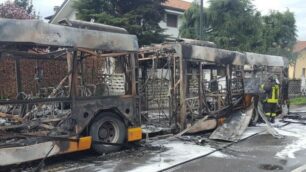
[{"x": 201, "y": 19}]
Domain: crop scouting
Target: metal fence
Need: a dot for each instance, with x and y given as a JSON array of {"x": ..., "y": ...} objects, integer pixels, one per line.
[
  {"x": 303, "y": 85},
  {"x": 295, "y": 88}
]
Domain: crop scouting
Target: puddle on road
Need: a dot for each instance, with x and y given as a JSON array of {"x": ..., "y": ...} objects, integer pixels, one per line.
[{"x": 270, "y": 167}]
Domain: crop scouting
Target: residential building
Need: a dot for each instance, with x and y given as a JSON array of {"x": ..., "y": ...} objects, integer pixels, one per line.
[
  {"x": 298, "y": 70},
  {"x": 174, "y": 10}
]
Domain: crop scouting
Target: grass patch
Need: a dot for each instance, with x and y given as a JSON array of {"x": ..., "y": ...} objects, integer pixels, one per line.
[{"x": 298, "y": 101}]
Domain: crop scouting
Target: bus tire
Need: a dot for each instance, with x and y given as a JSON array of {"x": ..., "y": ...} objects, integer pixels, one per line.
[{"x": 107, "y": 127}]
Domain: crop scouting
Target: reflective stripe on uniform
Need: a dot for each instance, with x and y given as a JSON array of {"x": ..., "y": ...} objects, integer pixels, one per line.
[
  {"x": 269, "y": 114},
  {"x": 261, "y": 87},
  {"x": 275, "y": 94}
]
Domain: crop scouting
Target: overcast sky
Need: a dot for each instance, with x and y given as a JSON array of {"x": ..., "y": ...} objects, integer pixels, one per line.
[{"x": 45, "y": 8}]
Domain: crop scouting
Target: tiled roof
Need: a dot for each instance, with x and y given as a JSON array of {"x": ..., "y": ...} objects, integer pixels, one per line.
[
  {"x": 177, "y": 4},
  {"x": 299, "y": 46}
]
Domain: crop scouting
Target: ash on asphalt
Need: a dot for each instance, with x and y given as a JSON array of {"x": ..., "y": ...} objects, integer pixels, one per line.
[
  {"x": 87, "y": 159},
  {"x": 91, "y": 161},
  {"x": 259, "y": 153}
]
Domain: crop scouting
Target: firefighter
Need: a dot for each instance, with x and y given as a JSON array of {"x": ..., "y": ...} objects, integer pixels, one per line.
[{"x": 271, "y": 90}]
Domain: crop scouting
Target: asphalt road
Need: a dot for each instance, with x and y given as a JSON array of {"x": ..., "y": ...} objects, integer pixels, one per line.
[
  {"x": 258, "y": 153},
  {"x": 254, "y": 154}
]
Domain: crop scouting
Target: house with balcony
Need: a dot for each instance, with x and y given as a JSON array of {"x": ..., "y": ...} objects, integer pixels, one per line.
[{"x": 174, "y": 10}]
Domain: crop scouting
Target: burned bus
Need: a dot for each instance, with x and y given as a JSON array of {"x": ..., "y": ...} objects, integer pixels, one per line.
[
  {"x": 193, "y": 86},
  {"x": 86, "y": 85},
  {"x": 92, "y": 102}
]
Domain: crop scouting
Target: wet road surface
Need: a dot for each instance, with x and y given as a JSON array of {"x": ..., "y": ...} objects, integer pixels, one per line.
[{"x": 254, "y": 154}]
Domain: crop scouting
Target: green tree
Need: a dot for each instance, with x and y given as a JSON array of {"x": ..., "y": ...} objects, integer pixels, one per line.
[
  {"x": 236, "y": 25},
  {"x": 231, "y": 24},
  {"x": 25, "y": 4},
  {"x": 139, "y": 17},
  {"x": 280, "y": 33},
  {"x": 191, "y": 22}
]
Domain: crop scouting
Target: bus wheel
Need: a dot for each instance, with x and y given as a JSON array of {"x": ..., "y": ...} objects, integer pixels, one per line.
[{"x": 107, "y": 128}]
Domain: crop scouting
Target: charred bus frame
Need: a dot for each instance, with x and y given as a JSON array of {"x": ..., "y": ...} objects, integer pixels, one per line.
[
  {"x": 97, "y": 120},
  {"x": 187, "y": 89}
]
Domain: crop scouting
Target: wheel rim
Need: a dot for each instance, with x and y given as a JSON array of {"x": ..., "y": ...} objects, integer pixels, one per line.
[{"x": 109, "y": 132}]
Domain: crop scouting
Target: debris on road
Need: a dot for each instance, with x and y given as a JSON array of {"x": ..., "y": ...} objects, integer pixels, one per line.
[{"x": 296, "y": 131}]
